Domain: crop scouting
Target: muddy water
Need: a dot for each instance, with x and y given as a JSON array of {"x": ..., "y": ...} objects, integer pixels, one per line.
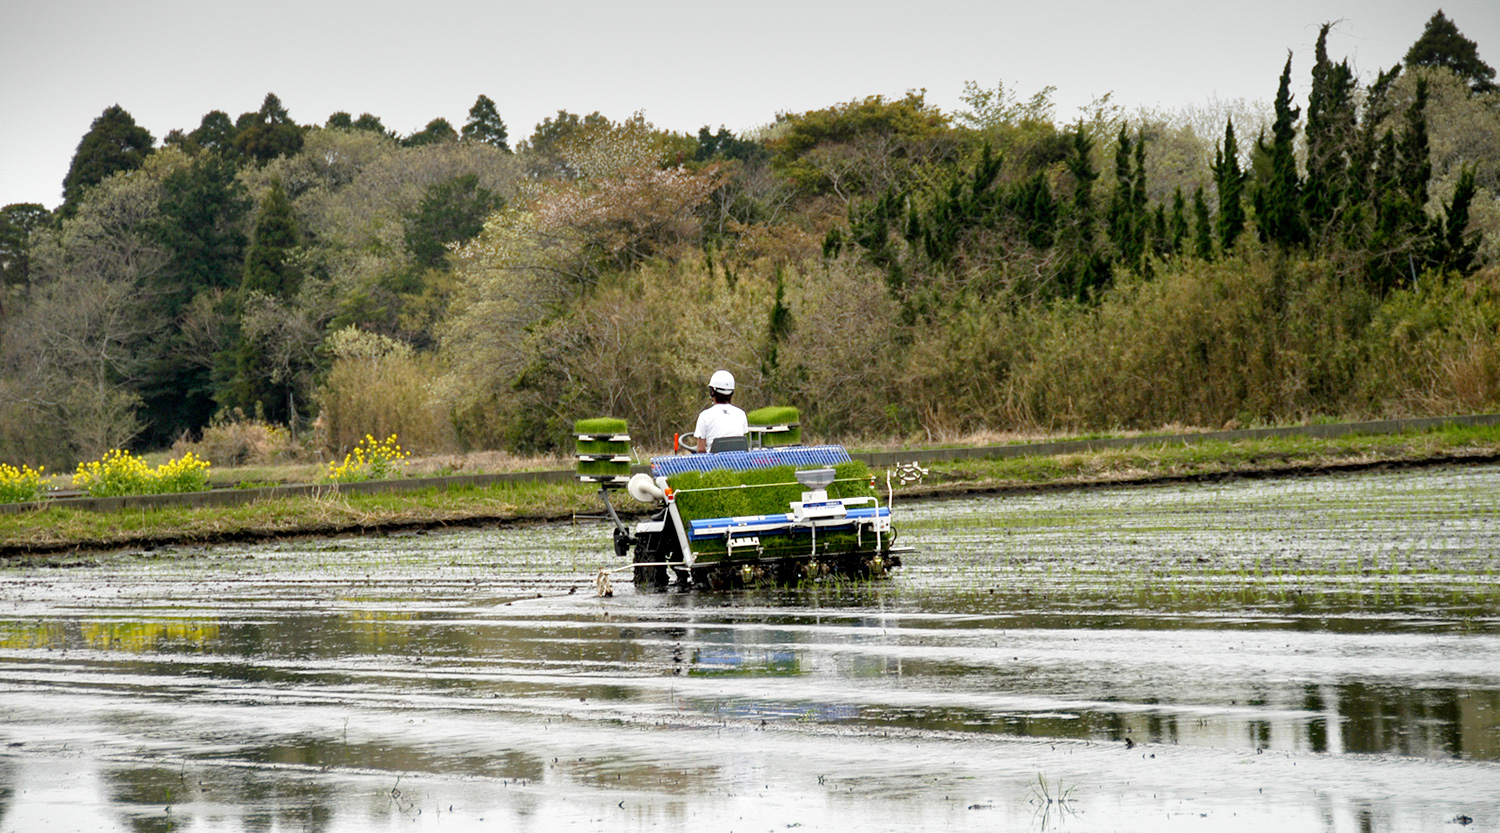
[{"x": 1316, "y": 654}]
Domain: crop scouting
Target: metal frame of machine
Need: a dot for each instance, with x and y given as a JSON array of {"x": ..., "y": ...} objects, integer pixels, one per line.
[{"x": 816, "y": 536}]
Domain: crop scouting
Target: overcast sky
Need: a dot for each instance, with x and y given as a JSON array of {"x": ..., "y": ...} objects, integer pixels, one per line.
[{"x": 168, "y": 62}]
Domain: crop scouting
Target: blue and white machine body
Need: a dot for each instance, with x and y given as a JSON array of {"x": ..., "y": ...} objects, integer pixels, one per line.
[{"x": 813, "y": 533}]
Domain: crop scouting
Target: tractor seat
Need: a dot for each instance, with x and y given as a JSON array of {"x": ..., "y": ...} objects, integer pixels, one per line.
[{"x": 728, "y": 444}]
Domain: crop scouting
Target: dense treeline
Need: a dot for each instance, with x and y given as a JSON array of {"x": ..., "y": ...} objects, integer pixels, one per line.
[{"x": 887, "y": 267}]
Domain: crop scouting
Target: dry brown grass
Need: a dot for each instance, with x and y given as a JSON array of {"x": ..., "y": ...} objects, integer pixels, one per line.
[{"x": 485, "y": 462}]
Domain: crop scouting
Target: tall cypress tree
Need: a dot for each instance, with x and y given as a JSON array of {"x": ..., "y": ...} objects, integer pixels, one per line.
[
  {"x": 1278, "y": 199},
  {"x": 1331, "y": 138},
  {"x": 779, "y": 327},
  {"x": 267, "y": 133},
  {"x": 1034, "y": 207},
  {"x": 1130, "y": 224},
  {"x": 1416, "y": 165},
  {"x": 451, "y": 211},
  {"x": 1401, "y": 237},
  {"x": 1203, "y": 240},
  {"x": 1455, "y": 248},
  {"x": 1178, "y": 227},
  {"x": 1119, "y": 215},
  {"x": 215, "y": 132},
  {"x": 436, "y": 132},
  {"x": 1230, "y": 182},
  {"x": 1367, "y": 170},
  {"x": 17, "y": 222},
  {"x": 1085, "y": 271},
  {"x": 202, "y": 212}
]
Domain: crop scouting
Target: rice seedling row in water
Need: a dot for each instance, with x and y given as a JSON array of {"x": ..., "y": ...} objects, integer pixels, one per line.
[{"x": 1355, "y": 546}]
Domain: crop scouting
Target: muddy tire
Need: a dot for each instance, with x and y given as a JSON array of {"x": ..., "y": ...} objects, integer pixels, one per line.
[{"x": 653, "y": 577}]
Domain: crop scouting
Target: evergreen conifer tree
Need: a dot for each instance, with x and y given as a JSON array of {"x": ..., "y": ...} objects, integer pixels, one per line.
[
  {"x": 1118, "y": 215},
  {"x": 1034, "y": 206},
  {"x": 1401, "y": 236},
  {"x": 779, "y": 327},
  {"x": 267, "y": 133},
  {"x": 1442, "y": 45},
  {"x": 113, "y": 143},
  {"x": 1203, "y": 240},
  {"x": 215, "y": 132},
  {"x": 370, "y": 123},
  {"x": 271, "y": 270},
  {"x": 1177, "y": 230},
  {"x": 1369, "y": 173},
  {"x": 1455, "y": 248},
  {"x": 270, "y": 265},
  {"x": 1331, "y": 137},
  {"x": 1230, "y": 182},
  {"x": 1278, "y": 198},
  {"x": 202, "y": 213},
  {"x": 1416, "y": 164},
  {"x": 17, "y": 222},
  {"x": 1129, "y": 221},
  {"x": 1160, "y": 235},
  {"x": 452, "y": 211},
  {"x": 1085, "y": 271},
  {"x": 485, "y": 124}
]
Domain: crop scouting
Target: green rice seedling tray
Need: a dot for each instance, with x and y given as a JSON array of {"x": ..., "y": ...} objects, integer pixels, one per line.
[{"x": 776, "y": 425}]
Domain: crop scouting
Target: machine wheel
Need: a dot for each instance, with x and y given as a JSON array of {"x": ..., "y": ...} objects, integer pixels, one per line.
[
  {"x": 653, "y": 577},
  {"x": 654, "y": 548}
]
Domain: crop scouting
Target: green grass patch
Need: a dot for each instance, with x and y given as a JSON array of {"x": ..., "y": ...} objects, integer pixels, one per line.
[
  {"x": 1169, "y": 459},
  {"x": 53, "y": 527}
]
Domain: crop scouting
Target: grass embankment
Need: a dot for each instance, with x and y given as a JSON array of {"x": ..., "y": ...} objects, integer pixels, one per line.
[
  {"x": 57, "y": 529},
  {"x": 1172, "y": 460}
]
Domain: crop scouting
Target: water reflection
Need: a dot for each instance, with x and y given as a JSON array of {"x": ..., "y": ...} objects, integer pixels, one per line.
[{"x": 1023, "y": 674}]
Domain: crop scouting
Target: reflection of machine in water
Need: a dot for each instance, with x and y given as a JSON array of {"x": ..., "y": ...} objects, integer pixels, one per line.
[{"x": 731, "y": 518}]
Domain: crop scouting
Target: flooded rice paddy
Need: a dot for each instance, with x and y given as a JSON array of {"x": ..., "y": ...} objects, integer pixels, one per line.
[{"x": 1318, "y": 654}]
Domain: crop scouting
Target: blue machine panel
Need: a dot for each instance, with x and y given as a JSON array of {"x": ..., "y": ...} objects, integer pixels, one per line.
[{"x": 772, "y": 524}]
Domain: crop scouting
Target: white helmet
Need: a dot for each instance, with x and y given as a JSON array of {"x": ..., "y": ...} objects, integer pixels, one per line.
[{"x": 722, "y": 382}]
